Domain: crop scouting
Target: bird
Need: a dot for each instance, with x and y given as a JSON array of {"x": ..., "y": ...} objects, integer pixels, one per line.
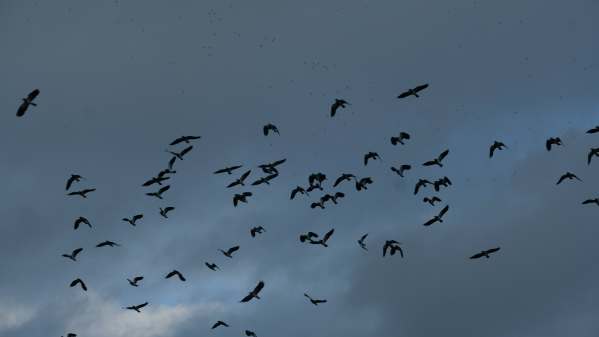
[
  {"x": 438, "y": 217},
  {"x": 496, "y": 146},
  {"x": 265, "y": 180},
  {"x": 135, "y": 280},
  {"x": 344, "y": 177},
  {"x": 594, "y": 152},
  {"x": 107, "y": 243},
  {"x": 594, "y": 130},
  {"x": 297, "y": 190},
  {"x": 155, "y": 180},
  {"x": 421, "y": 183},
  {"x": 158, "y": 194},
  {"x": 271, "y": 168},
  {"x": 228, "y": 170},
  {"x": 400, "y": 139},
  {"x": 219, "y": 323},
  {"x": 413, "y": 91},
  {"x": 333, "y": 198},
  {"x": 73, "y": 255},
  {"x": 485, "y": 253},
  {"x": 229, "y": 252},
  {"x": 401, "y": 170},
  {"x": 237, "y": 198},
  {"x": 567, "y": 175},
  {"x": 241, "y": 180},
  {"x": 362, "y": 243},
  {"x": 254, "y": 293},
  {"x": 134, "y": 219},
  {"x": 316, "y": 186},
  {"x": 324, "y": 239},
  {"x": 319, "y": 204},
  {"x": 315, "y": 180},
  {"x": 270, "y": 127},
  {"x": 310, "y": 236},
  {"x": 552, "y": 141},
  {"x": 137, "y": 307},
  {"x": 363, "y": 183},
  {"x": 73, "y": 178},
  {"x": 437, "y": 161},
  {"x": 82, "y": 193},
  {"x": 164, "y": 211},
  {"x": 371, "y": 155},
  {"x": 212, "y": 266},
  {"x": 431, "y": 200},
  {"x": 315, "y": 302},
  {"x": 339, "y": 103},
  {"x": 184, "y": 139},
  {"x": 179, "y": 155},
  {"x": 81, "y": 220},
  {"x": 27, "y": 101},
  {"x": 175, "y": 273},
  {"x": 250, "y": 333},
  {"x": 445, "y": 182},
  {"x": 586, "y": 202},
  {"x": 79, "y": 282},
  {"x": 393, "y": 247},
  {"x": 258, "y": 229}
]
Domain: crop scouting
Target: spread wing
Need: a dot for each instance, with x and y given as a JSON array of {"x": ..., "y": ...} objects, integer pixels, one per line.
[
  {"x": 493, "y": 250},
  {"x": 404, "y": 94},
  {"x": 245, "y": 175},
  {"x": 138, "y": 278},
  {"x": 70, "y": 182},
  {"x": 443, "y": 154},
  {"x": 177, "y": 141},
  {"x": 32, "y": 95},
  {"x": 443, "y": 211},
  {"x": 164, "y": 189},
  {"x": 328, "y": 235},
  {"x": 76, "y": 252},
  {"x": 137, "y": 217},
  {"x": 420, "y": 87},
  {"x": 429, "y": 163},
  {"x": 258, "y": 288},
  {"x": 185, "y": 150},
  {"x": 232, "y": 249},
  {"x": 476, "y": 256},
  {"x": 548, "y": 144},
  {"x": 334, "y": 108},
  {"x": 430, "y": 222},
  {"x": 172, "y": 162},
  {"x": 364, "y": 237}
]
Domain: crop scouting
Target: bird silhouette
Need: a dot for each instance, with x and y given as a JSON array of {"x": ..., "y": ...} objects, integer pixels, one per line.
[
  {"x": 315, "y": 180},
  {"x": 344, "y": 177},
  {"x": 137, "y": 307},
  {"x": 79, "y": 282},
  {"x": 362, "y": 243},
  {"x": 437, "y": 161},
  {"x": 431, "y": 200},
  {"x": 134, "y": 219},
  {"x": 163, "y": 173},
  {"x": 81, "y": 220},
  {"x": 133, "y": 282},
  {"x": 82, "y": 193},
  {"x": 270, "y": 127},
  {"x": 219, "y": 323},
  {"x": 401, "y": 170},
  {"x": 297, "y": 190},
  {"x": 175, "y": 273},
  {"x": 228, "y": 170},
  {"x": 184, "y": 139},
  {"x": 212, "y": 266},
  {"x": 485, "y": 253},
  {"x": 241, "y": 180},
  {"x": 586, "y": 202},
  {"x": 400, "y": 139},
  {"x": 496, "y": 146},
  {"x": 158, "y": 194},
  {"x": 421, "y": 183},
  {"x": 445, "y": 182},
  {"x": 392, "y": 246},
  {"x": 371, "y": 155},
  {"x": 313, "y": 301},
  {"x": 324, "y": 239},
  {"x": 249, "y": 333},
  {"x": 73, "y": 178},
  {"x": 363, "y": 183},
  {"x": 552, "y": 141},
  {"x": 319, "y": 204},
  {"x": 179, "y": 155},
  {"x": 271, "y": 168},
  {"x": 438, "y": 217},
  {"x": 257, "y": 230},
  {"x": 164, "y": 211},
  {"x": 107, "y": 244},
  {"x": 155, "y": 180},
  {"x": 339, "y": 103},
  {"x": 27, "y": 101},
  {"x": 567, "y": 175},
  {"x": 73, "y": 255},
  {"x": 413, "y": 91},
  {"x": 237, "y": 198},
  {"x": 254, "y": 293},
  {"x": 265, "y": 180},
  {"x": 594, "y": 152},
  {"x": 229, "y": 252},
  {"x": 594, "y": 130}
]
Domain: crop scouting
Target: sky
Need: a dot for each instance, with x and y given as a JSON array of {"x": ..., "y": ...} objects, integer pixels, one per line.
[{"x": 121, "y": 79}]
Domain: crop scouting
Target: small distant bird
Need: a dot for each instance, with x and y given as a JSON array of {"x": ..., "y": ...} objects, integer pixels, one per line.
[
  {"x": 319, "y": 204},
  {"x": 316, "y": 179},
  {"x": 324, "y": 239},
  {"x": 134, "y": 219},
  {"x": 83, "y": 193},
  {"x": 594, "y": 130},
  {"x": 175, "y": 273},
  {"x": 344, "y": 177},
  {"x": 27, "y": 101},
  {"x": 164, "y": 211},
  {"x": 73, "y": 178},
  {"x": 371, "y": 155},
  {"x": 485, "y": 253},
  {"x": 271, "y": 168},
  {"x": 496, "y": 146},
  {"x": 594, "y": 152},
  {"x": 135, "y": 280},
  {"x": 228, "y": 170},
  {"x": 230, "y": 251},
  {"x": 107, "y": 244},
  {"x": 212, "y": 266},
  {"x": 250, "y": 333},
  {"x": 81, "y": 220},
  {"x": 445, "y": 182},
  {"x": 155, "y": 180},
  {"x": 219, "y": 323},
  {"x": 339, "y": 103},
  {"x": 265, "y": 180},
  {"x": 237, "y": 198},
  {"x": 567, "y": 175},
  {"x": 79, "y": 282},
  {"x": 315, "y": 302},
  {"x": 586, "y": 202},
  {"x": 333, "y": 197},
  {"x": 438, "y": 217},
  {"x": 413, "y": 91},
  {"x": 393, "y": 247},
  {"x": 158, "y": 194},
  {"x": 297, "y": 190},
  {"x": 437, "y": 161},
  {"x": 310, "y": 236},
  {"x": 258, "y": 230},
  {"x": 179, "y": 155},
  {"x": 137, "y": 307},
  {"x": 363, "y": 183},
  {"x": 421, "y": 183},
  {"x": 432, "y": 200},
  {"x": 254, "y": 293},
  {"x": 270, "y": 127},
  {"x": 241, "y": 180},
  {"x": 401, "y": 169},
  {"x": 552, "y": 141},
  {"x": 362, "y": 243},
  {"x": 73, "y": 255},
  {"x": 400, "y": 139},
  {"x": 184, "y": 139}
]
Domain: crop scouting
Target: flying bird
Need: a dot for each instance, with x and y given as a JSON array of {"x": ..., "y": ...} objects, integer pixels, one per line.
[
  {"x": 552, "y": 141},
  {"x": 393, "y": 247},
  {"x": 219, "y": 323},
  {"x": 164, "y": 211},
  {"x": 228, "y": 170},
  {"x": 344, "y": 177},
  {"x": 421, "y": 183},
  {"x": 107, "y": 244},
  {"x": 163, "y": 173},
  {"x": 79, "y": 282},
  {"x": 319, "y": 204},
  {"x": 184, "y": 139},
  {"x": 241, "y": 180},
  {"x": 175, "y": 273},
  {"x": 431, "y": 200},
  {"x": 254, "y": 293},
  {"x": 73, "y": 178},
  {"x": 324, "y": 239},
  {"x": 137, "y": 307},
  {"x": 158, "y": 194},
  {"x": 567, "y": 175},
  {"x": 155, "y": 180},
  {"x": 271, "y": 168},
  {"x": 81, "y": 220},
  {"x": 371, "y": 155},
  {"x": 586, "y": 202},
  {"x": 315, "y": 302},
  {"x": 485, "y": 253},
  {"x": 315, "y": 180},
  {"x": 212, "y": 266},
  {"x": 258, "y": 230},
  {"x": 133, "y": 282},
  {"x": 362, "y": 243},
  {"x": 230, "y": 251},
  {"x": 400, "y": 139},
  {"x": 73, "y": 255},
  {"x": 496, "y": 146},
  {"x": 179, "y": 155},
  {"x": 437, "y": 161},
  {"x": 445, "y": 182},
  {"x": 83, "y": 193},
  {"x": 27, "y": 101},
  {"x": 270, "y": 127},
  {"x": 339, "y": 103},
  {"x": 594, "y": 152},
  {"x": 363, "y": 183},
  {"x": 297, "y": 190},
  {"x": 237, "y": 198},
  {"x": 134, "y": 219},
  {"x": 401, "y": 169},
  {"x": 438, "y": 217},
  {"x": 265, "y": 180},
  {"x": 413, "y": 91}
]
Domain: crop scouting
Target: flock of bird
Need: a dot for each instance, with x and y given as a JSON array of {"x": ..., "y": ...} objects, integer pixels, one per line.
[{"x": 316, "y": 181}]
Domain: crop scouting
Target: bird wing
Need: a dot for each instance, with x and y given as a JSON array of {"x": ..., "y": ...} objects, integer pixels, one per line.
[
  {"x": 443, "y": 211},
  {"x": 476, "y": 256},
  {"x": 334, "y": 108},
  {"x": 364, "y": 237},
  {"x": 247, "y": 298},
  {"x": 186, "y": 150},
  {"x": 171, "y": 274},
  {"x": 76, "y": 252},
  {"x": 278, "y": 162},
  {"x": 137, "y": 217},
  {"x": 429, "y": 163},
  {"x": 171, "y": 162},
  {"x": 548, "y": 144},
  {"x": 561, "y": 179},
  {"x": 404, "y": 94},
  {"x": 142, "y": 305},
  {"x": 138, "y": 278},
  {"x": 177, "y": 141},
  {"x": 491, "y": 150},
  {"x": 245, "y": 175},
  {"x": 430, "y": 222},
  {"x": 22, "y": 108},
  {"x": 70, "y": 182},
  {"x": 421, "y": 87},
  {"x": 258, "y": 288},
  {"x": 232, "y": 249},
  {"x": 328, "y": 235},
  {"x": 164, "y": 189},
  {"x": 443, "y": 154},
  {"x": 493, "y": 250}
]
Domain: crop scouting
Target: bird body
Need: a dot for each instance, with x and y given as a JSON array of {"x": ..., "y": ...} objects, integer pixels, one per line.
[
  {"x": 133, "y": 282},
  {"x": 552, "y": 141},
  {"x": 107, "y": 244},
  {"x": 362, "y": 243},
  {"x": 363, "y": 183},
  {"x": 81, "y": 220},
  {"x": 400, "y": 139},
  {"x": 241, "y": 180},
  {"x": 228, "y": 170},
  {"x": 594, "y": 152},
  {"x": 437, "y": 161},
  {"x": 79, "y": 282},
  {"x": 401, "y": 170},
  {"x": 313, "y": 301},
  {"x": 257, "y": 230},
  {"x": 392, "y": 246},
  {"x": 73, "y": 178},
  {"x": 212, "y": 266}
]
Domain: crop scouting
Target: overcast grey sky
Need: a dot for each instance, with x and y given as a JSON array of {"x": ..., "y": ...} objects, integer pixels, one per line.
[{"x": 120, "y": 79}]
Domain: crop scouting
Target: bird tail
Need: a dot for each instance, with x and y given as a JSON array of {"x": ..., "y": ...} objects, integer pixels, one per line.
[{"x": 415, "y": 94}]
